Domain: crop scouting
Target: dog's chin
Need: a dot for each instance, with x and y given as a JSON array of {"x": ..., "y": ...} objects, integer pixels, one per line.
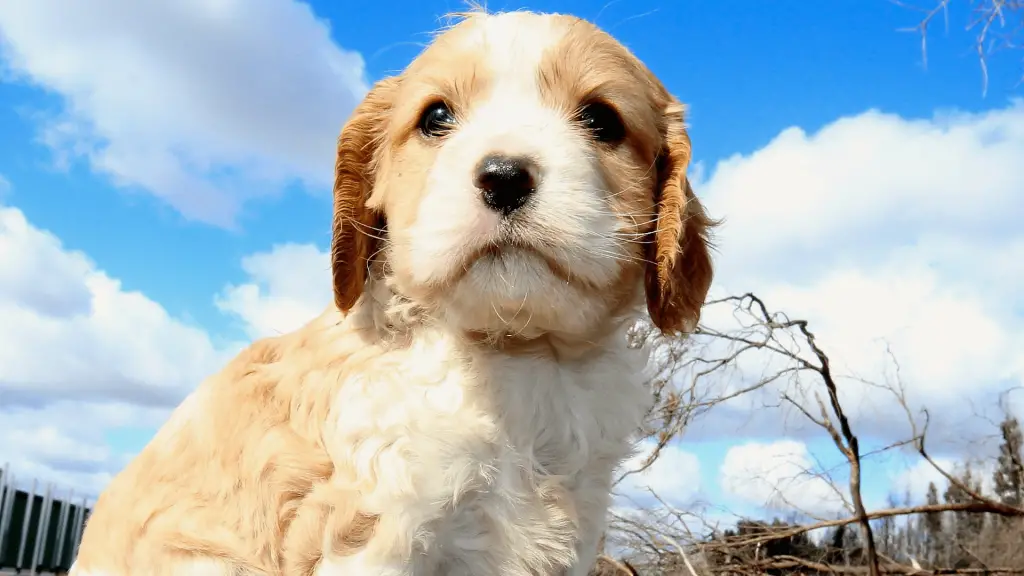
[{"x": 519, "y": 291}]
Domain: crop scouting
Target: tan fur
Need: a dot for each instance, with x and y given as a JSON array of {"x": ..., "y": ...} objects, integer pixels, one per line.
[
  {"x": 679, "y": 270},
  {"x": 258, "y": 498},
  {"x": 589, "y": 63},
  {"x": 356, "y": 225},
  {"x": 388, "y": 434},
  {"x": 226, "y": 482},
  {"x": 681, "y": 273}
]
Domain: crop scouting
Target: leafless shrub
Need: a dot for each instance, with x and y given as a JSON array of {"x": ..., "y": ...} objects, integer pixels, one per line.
[
  {"x": 968, "y": 532},
  {"x": 997, "y": 25}
]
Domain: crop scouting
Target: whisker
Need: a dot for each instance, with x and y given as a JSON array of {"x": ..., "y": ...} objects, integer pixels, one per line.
[
  {"x": 498, "y": 314},
  {"x": 363, "y": 228},
  {"x": 384, "y": 245}
]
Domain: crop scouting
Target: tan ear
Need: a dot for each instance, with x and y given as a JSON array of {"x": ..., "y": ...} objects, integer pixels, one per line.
[
  {"x": 356, "y": 226},
  {"x": 679, "y": 269}
]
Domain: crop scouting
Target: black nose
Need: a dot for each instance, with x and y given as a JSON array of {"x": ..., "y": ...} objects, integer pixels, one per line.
[{"x": 506, "y": 182}]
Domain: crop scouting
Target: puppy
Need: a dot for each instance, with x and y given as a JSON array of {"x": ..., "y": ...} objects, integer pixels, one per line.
[{"x": 504, "y": 210}]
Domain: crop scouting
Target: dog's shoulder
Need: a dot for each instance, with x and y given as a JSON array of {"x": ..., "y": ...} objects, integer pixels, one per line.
[{"x": 217, "y": 479}]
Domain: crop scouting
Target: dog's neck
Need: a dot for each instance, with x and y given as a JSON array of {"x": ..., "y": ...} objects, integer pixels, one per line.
[
  {"x": 397, "y": 319},
  {"x": 557, "y": 345}
]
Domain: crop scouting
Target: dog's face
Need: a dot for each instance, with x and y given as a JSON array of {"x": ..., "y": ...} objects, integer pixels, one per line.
[{"x": 525, "y": 174}]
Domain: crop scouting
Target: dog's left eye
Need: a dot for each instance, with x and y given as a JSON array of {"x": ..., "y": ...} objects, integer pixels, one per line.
[
  {"x": 603, "y": 121},
  {"x": 436, "y": 120}
]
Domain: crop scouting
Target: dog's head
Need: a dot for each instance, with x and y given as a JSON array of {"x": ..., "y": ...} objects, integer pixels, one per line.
[{"x": 526, "y": 173}]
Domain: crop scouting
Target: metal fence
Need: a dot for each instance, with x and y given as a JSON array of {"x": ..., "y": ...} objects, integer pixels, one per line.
[{"x": 39, "y": 528}]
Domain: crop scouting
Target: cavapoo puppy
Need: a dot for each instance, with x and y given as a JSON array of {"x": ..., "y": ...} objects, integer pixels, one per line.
[{"x": 504, "y": 210}]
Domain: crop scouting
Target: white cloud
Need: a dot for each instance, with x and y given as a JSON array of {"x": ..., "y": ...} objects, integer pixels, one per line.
[
  {"x": 952, "y": 347},
  {"x": 200, "y": 103},
  {"x": 865, "y": 185},
  {"x": 289, "y": 286},
  {"x": 61, "y": 443},
  {"x": 882, "y": 231},
  {"x": 779, "y": 475},
  {"x": 913, "y": 480},
  {"x": 71, "y": 331},
  {"x": 80, "y": 356},
  {"x": 674, "y": 477}
]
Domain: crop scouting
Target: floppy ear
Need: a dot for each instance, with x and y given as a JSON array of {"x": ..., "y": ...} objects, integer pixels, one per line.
[
  {"x": 679, "y": 269},
  {"x": 357, "y": 227}
]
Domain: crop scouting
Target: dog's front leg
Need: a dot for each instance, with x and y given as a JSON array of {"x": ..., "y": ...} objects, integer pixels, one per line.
[
  {"x": 592, "y": 500},
  {"x": 333, "y": 534},
  {"x": 586, "y": 550}
]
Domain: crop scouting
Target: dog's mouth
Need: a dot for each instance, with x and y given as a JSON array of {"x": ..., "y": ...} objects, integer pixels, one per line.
[
  {"x": 514, "y": 254},
  {"x": 510, "y": 246},
  {"x": 511, "y": 255},
  {"x": 509, "y": 260}
]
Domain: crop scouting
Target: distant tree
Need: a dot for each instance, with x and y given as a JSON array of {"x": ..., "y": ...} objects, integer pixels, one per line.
[
  {"x": 1008, "y": 478},
  {"x": 934, "y": 536},
  {"x": 887, "y": 533},
  {"x": 966, "y": 528}
]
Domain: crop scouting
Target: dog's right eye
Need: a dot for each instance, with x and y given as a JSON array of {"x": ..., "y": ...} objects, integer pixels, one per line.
[
  {"x": 603, "y": 121},
  {"x": 436, "y": 120}
]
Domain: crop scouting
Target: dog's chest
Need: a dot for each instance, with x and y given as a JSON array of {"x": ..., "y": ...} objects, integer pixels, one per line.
[
  {"x": 563, "y": 415},
  {"x": 477, "y": 459}
]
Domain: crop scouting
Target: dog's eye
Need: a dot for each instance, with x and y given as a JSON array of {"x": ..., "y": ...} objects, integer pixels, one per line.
[
  {"x": 603, "y": 121},
  {"x": 436, "y": 120}
]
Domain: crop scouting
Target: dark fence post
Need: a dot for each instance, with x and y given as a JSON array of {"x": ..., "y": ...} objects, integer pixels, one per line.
[{"x": 38, "y": 532}]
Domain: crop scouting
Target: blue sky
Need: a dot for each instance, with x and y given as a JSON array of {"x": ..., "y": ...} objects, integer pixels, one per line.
[{"x": 776, "y": 92}]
